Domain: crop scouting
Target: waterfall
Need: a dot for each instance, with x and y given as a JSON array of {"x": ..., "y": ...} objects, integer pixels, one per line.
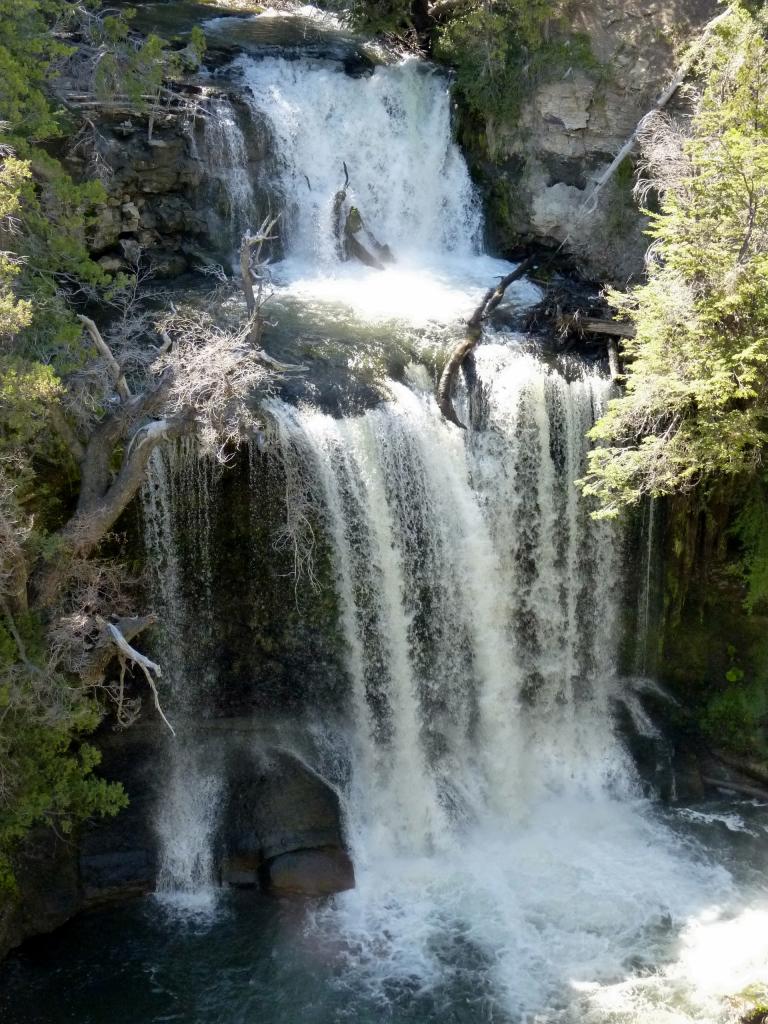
[
  {"x": 506, "y": 862},
  {"x": 226, "y": 156},
  {"x": 407, "y": 177},
  {"x": 491, "y": 808},
  {"x": 177, "y": 506},
  {"x": 643, "y": 657},
  {"x": 478, "y": 600}
]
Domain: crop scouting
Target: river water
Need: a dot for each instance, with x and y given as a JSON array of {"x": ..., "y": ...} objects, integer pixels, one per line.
[{"x": 510, "y": 866}]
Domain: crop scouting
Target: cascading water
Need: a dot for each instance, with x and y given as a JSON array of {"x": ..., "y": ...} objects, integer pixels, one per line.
[
  {"x": 507, "y": 867},
  {"x": 406, "y": 176},
  {"x": 391, "y": 133},
  {"x": 490, "y": 803},
  {"x": 480, "y": 645},
  {"x": 177, "y": 500},
  {"x": 226, "y": 155}
]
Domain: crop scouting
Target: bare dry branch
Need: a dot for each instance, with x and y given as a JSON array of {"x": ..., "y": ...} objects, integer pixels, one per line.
[
  {"x": 114, "y": 367},
  {"x": 147, "y": 666}
]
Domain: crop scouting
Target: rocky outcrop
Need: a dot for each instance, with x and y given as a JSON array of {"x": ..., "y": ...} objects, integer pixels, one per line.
[
  {"x": 538, "y": 171},
  {"x": 170, "y": 205},
  {"x": 311, "y": 873},
  {"x": 281, "y": 827},
  {"x": 279, "y": 830}
]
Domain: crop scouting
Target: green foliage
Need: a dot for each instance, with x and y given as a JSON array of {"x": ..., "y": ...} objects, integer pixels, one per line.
[
  {"x": 15, "y": 313},
  {"x": 696, "y": 398},
  {"x": 197, "y": 42},
  {"x": 734, "y": 716},
  {"x": 47, "y": 773},
  {"x": 46, "y": 770},
  {"x": 386, "y": 16},
  {"x": 501, "y": 50},
  {"x": 138, "y": 71},
  {"x": 27, "y": 50},
  {"x": 751, "y": 528}
]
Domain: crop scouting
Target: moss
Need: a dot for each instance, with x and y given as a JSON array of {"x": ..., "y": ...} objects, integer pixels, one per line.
[{"x": 713, "y": 650}]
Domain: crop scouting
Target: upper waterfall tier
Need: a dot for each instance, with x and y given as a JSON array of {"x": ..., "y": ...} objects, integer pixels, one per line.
[{"x": 392, "y": 130}]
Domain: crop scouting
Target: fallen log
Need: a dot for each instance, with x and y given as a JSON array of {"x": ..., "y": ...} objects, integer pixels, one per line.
[
  {"x": 474, "y": 333},
  {"x": 614, "y": 363},
  {"x": 590, "y": 325},
  {"x": 740, "y": 788},
  {"x": 754, "y": 769},
  {"x": 339, "y": 221},
  {"x": 360, "y": 244}
]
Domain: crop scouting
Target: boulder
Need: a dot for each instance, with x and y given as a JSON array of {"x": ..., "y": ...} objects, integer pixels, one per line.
[
  {"x": 130, "y": 218},
  {"x": 276, "y": 805},
  {"x": 242, "y": 870},
  {"x": 281, "y": 827},
  {"x": 105, "y": 229},
  {"x": 311, "y": 872}
]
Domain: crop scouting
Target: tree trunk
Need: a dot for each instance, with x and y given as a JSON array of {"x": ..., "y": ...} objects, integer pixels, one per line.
[
  {"x": 91, "y": 523},
  {"x": 590, "y": 202}
]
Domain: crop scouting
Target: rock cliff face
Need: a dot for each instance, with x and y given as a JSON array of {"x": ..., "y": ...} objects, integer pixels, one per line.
[
  {"x": 170, "y": 206},
  {"x": 279, "y": 831},
  {"x": 539, "y": 171}
]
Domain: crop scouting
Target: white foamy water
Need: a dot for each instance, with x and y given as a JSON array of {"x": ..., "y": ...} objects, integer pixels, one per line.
[
  {"x": 507, "y": 867},
  {"x": 225, "y": 151},
  {"x": 391, "y": 129},
  {"x": 501, "y": 847},
  {"x": 177, "y": 502},
  {"x": 406, "y": 176}
]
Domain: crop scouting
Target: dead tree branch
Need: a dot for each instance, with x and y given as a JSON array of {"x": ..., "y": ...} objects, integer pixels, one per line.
[
  {"x": 474, "y": 333},
  {"x": 115, "y": 370},
  {"x": 251, "y": 247},
  {"x": 150, "y": 668}
]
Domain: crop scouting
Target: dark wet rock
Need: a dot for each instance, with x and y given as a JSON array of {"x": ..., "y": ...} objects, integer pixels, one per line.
[
  {"x": 311, "y": 873},
  {"x": 276, "y": 805},
  {"x": 242, "y": 870},
  {"x": 688, "y": 782},
  {"x": 48, "y": 892}
]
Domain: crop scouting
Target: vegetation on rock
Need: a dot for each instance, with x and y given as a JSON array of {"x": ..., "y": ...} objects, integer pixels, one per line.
[{"x": 695, "y": 405}]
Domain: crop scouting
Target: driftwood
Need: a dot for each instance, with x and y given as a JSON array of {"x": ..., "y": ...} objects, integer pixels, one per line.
[
  {"x": 754, "y": 769},
  {"x": 151, "y": 669},
  {"x": 354, "y": 241},
  {"x": 250, "y": 253},
  {"x": 253, "y": 273},
  {"x": 582, "y": 325},
  {"x": 360, "y": 244},
  {"x": 115, "y": 370},
  {"x": 338, "y": 214},
  {"x": 614, "y": 328},
  {"x": 614, "y": 362},
  {"x": 742, "y": 788},
  {"x": 474, "y": 333}
]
